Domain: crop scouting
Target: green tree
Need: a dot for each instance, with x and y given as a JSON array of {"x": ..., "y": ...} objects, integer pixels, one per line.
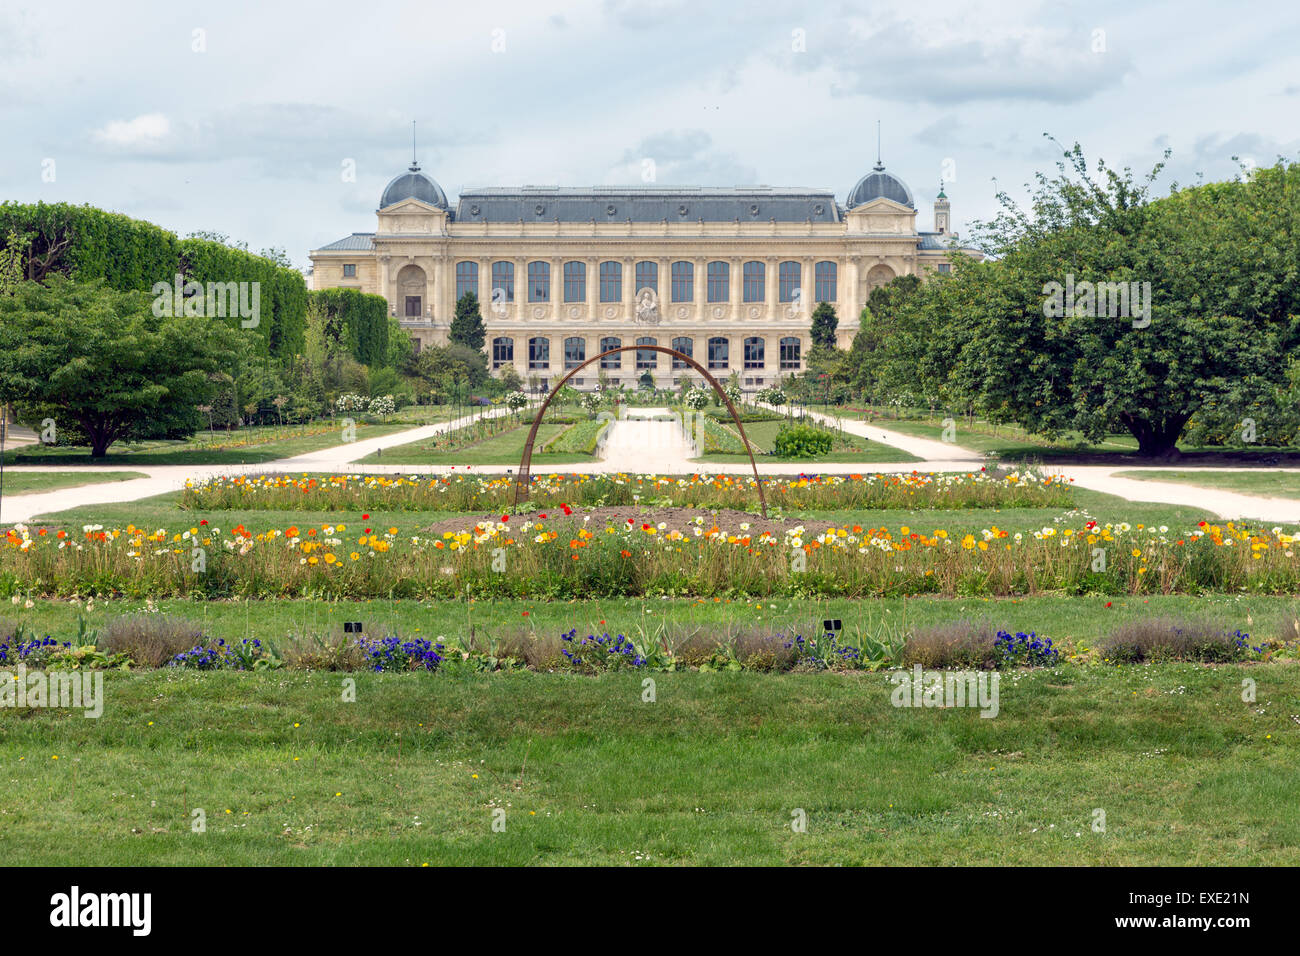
[
  {"x": 467, "y": 327},
  {"x": 824, "y": 324},
  {"x": 1213, "y": 299},
  {"x": 101, "y": 361}
]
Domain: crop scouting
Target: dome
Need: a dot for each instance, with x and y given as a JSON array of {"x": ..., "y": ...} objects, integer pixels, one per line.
[
  {"x": 413, "y": 184},
  {"x": 879, "y": 184}
]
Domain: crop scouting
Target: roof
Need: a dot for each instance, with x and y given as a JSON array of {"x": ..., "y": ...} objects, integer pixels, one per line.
[
  {"x": 646, "y": 204},
  {"x": 357, "y": 242},
  {"x": 879, "y": 184},
  {"x": 413, "y": 184}
]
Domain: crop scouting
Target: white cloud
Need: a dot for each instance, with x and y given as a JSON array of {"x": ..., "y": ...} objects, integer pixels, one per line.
[{"x": 144, "y": 134}]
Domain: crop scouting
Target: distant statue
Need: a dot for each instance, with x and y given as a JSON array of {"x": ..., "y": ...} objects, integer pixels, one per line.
[{"x": 647, "y": 306}]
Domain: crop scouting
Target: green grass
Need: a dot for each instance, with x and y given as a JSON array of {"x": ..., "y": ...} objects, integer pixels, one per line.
[
  {"x": 763, "y": 435},
  {"x": 261, "y": 445},
  {"x": 1280, "y": 484},
  {"x": 31, "y": 482},
  {"x": 1012, "y": 443},
  {"x": 710, "y": 773},
  {"x": 502, "y": 449}
]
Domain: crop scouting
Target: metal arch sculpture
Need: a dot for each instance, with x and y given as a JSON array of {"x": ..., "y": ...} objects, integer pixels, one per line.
[{"x": 524, "y": 478}]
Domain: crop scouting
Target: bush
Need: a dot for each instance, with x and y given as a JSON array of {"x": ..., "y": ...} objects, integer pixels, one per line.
[
  {"x": 150, "y": 640},
  {"x": 382, "y": 405},
  {"x": 696, "y": 399},
  {"x": 960, "y": 644},
  {"x": 801, "y": 441},
  {"x": 1167, "y": 640}
]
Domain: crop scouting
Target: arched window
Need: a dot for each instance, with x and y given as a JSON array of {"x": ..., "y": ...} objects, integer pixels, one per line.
[
  {"x": 611, "y": 361},
  {"x": 824, "y": 282},
  {"x": 611, "y": 282},
  {"x": 718, "y": 353},
  {"x": 466, "y": 278},
  {"x": 790, "y": 352},
  {"x": 647, "y": 276},
  {"x": 539, "y": 353},
  {"x": 575, "y": 351},
  {"x": 503, "y": 352},
  {"x": 539, "y": 282},
  {"x": 754, "y": 352},
  {"x": 411, "y": 285},
  {"x": 575, "y": 282},
  {"x": 646, "y": 358},
  {"x": 503, "y": 278},
  {"x": 683, "y": 282},
  {"x": 753, "y": 287},
  {"x": 686, "y": 347},
  {"x": 719, "y": 282},
  {"x": 788, "y": 280}
]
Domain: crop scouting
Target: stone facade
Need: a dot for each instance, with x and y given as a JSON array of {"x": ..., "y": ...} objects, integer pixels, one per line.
[{"x": 736, "y": 273}]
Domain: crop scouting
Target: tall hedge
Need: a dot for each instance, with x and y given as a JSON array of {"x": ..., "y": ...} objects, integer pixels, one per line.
[
  {"x": 362, "y": 319},
  {"x": 83, "y": 242}
]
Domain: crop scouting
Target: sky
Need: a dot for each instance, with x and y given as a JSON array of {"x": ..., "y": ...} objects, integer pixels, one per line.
[{"x": 278, "y": 124}]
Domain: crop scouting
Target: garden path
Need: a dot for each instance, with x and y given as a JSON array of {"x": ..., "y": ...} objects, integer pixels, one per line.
[{"x": 639, "y": 447}]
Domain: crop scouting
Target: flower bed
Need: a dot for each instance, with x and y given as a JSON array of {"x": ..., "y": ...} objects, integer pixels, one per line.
[
  {"x": 518, "y": 557},
  {"x": 950, "y": 490}
]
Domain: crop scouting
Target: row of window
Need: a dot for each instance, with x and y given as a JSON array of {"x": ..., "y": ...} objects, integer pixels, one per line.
[
  {"x": 681, "y": 281},
  {"x": 575, "y": 352}
]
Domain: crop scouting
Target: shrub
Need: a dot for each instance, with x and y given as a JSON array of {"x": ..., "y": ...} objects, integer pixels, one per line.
[
  {"x": 1167, "y": 640},
  {"x": 696, "y": 399},
  {"x": 801, "y": 441},
  {"x": 151, "y": 640},
  {"x": 351, "y": 402},
  {"x": 382, "y": 405},
  {"x": 959, "y": 644}
]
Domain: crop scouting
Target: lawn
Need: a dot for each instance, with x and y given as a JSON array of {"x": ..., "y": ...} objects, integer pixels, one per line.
[
  {"x": 244, "y": 446},
  {"x": 583, "y": 770},
  {"x": 1271, "y": 483},
  {"x": 505, "y": 449},
  {"x": 762, "y": 435},
  {"x": 32, "y": 482}
]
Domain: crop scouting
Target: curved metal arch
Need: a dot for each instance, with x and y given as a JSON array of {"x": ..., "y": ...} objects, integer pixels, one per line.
[{"x": 523, "y": 479}]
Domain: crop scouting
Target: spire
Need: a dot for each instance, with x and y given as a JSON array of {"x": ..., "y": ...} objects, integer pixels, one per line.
[
  {"x": 942, "y": 194},
  {"x": 415, "y": 163},
  {"x": 879, "y": 165}
]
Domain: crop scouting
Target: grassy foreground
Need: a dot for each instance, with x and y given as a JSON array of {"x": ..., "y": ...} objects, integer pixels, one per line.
[{"x": 712, "y": 772}]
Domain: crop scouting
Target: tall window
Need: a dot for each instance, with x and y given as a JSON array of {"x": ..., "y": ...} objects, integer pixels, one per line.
[
  {"x": 466, "y": 278},
  {"x": 719, "y": 282},
  {"x": 754, "y": 352},
  {"x": 683, "y": 282},
  {"x": 611, "y": 282},
  {"x": 575, "y": 282},
  {"x": 575, "y": 351},
  {"x": 825, "y": 274},
  {"x": 718, "y": 353},
  {"x": 647, "y": 276},
  {"x": 503, "y": 352},
  {"x": 787, "y": 280},
  {"x": 753, "y": 287},
  {"x": 646, "y": 358},
  {"x": 539, "y": 282},
  {"x": 611, "y": 361},
  {"x": 686, "y": 347},
  {"x": 789, "y": 352},
  {"x": 503, "y": 278},
  {"x": 539, "y": 353}
]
